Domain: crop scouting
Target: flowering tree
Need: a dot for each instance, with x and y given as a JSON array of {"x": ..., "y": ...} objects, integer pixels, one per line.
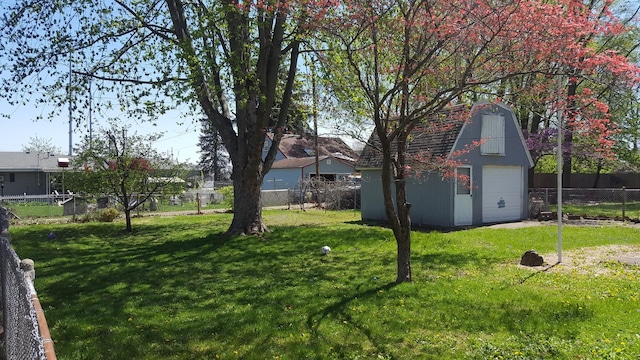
[
  {"x": 124, "y": 166},
  {"x": 587, "y": 95},
  {"x": 404, "y": 61}
]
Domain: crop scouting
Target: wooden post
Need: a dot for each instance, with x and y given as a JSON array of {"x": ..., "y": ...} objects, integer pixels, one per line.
[{"x": 624, "y": 201}]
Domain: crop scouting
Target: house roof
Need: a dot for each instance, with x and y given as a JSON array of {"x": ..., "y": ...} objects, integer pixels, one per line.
[
  {"x": 292, "y": 163},
  {"x": 296, "y": 146},
  {"x": 438, "y": 136},
  {"x": 29, "y": 162}
]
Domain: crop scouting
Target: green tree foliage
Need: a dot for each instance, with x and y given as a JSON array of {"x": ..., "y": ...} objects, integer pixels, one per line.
[
  {"x": 124, "y": 166},
  {"x": 223, "y": 60},
  {"x": 40, "y": 145},
  {"x": 214, "y": 158}
]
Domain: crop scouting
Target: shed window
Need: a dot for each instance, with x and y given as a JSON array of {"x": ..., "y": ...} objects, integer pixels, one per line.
[
  {"x": 493, "y": 135},
  {"x": 463, "y": 181},
  {"x": 12, "y": 177}
]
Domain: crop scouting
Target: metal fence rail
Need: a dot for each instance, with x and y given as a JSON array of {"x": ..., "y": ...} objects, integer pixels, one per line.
[
  {"x": 26, "y": 335},
  {"x": 45, "y": 199},
  {"x": 613, "y": 202}
]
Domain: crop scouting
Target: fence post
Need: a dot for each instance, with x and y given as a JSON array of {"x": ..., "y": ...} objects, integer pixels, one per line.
[
  {"x": 624, "y": 201},
  {"x": 546, "y": 198}
]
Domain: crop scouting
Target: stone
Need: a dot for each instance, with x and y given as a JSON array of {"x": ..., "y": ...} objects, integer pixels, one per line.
[{"x": 531, "y": 258}]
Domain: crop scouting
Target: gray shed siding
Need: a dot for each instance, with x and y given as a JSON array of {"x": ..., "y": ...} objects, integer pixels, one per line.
[
  {"x": 432, "y": 198},
  {"x": 516, "y": 154},
  {"x": 371, "y": 199},
  {"x": 431, "y": 203}
]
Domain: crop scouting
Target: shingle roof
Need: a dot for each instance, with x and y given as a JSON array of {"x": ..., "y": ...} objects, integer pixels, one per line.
[
  {"x": 28, "y": 162},
  {"x": 303, "y": 162},
  {"x": 296, "y": 146},
  {"x": 437, "y": 136}
]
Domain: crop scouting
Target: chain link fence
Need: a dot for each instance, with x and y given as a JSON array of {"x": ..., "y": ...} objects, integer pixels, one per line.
[
  {"x": 25, "y": 333},
  {"x": 613, "y": 203},
  {"x": 332, "y": 194}
]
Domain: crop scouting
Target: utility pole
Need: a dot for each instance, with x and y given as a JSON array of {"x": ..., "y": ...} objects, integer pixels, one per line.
[
  {"x": 315, "y": 126},
  {"x": 70, "y": 110}
]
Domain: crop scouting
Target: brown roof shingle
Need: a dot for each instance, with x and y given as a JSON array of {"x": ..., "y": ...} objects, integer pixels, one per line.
[
  {"x": 296, "y": 146},
  {"x": 437, "y": 136}
]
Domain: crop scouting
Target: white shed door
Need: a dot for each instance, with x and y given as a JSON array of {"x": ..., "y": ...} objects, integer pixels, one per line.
[
  {"x": 501, "y": 193},
  {"x": 462, "y": 203}
]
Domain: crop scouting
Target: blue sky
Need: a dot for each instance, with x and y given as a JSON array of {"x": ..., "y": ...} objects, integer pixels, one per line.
[{"x": 180, "y": 137}]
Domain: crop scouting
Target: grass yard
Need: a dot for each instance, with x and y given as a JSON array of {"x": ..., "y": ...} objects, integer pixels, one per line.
[
  {"x": 611, "y": 210},
  {"x": 176, "y": 289},
  {"x": 35, "y": 209},
  {"x": 42, "y": 210}
]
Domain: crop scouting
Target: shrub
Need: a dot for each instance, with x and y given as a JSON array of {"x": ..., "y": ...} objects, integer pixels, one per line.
[
  {"x": 108, "y": 215},
  {"x": 227, "y": 196}
]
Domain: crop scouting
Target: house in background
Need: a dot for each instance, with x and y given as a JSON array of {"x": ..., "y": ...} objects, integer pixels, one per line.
[
  {"x": 497, "y": 170},
  {"x": 295, "y": 161},
  {"x": 29, "y": 173}
]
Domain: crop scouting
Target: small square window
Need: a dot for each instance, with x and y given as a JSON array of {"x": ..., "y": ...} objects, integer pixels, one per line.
[{"x": 463, "y": 181}]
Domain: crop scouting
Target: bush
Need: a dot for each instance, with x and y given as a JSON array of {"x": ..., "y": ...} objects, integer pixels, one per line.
[
  {"x": 227, "y": 196},
  {"x": 108, "y": 215}
]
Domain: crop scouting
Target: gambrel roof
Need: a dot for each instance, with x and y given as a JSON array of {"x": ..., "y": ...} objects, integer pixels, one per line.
[
  {"x": 442, "y": 133},
  {"x": 438, "y": 134}
]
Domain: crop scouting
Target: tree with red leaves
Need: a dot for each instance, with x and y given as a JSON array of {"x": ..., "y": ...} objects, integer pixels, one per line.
[
  {"x": 404, "y": 61},
  {"x": 125, "y": 167}
]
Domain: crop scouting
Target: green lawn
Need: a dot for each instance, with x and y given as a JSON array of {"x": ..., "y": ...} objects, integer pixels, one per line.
[
  {"x": 612, "y": 210},
  {"x": 41, "y": 210},
  {"x": 176, "y": 289}
]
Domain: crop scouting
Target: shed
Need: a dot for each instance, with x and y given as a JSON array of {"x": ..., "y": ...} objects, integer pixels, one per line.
[
  {"x": 75, "y": 206},
  {"x": 497, "y": 170}
]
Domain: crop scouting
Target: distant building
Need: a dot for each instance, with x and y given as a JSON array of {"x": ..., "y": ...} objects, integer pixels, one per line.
[
  {"x": 29, "y": 173},
  {"x": 295, "y": 160}
]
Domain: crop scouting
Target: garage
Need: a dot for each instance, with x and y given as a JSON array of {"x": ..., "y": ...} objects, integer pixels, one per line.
[{"x": 502, "y": 193}]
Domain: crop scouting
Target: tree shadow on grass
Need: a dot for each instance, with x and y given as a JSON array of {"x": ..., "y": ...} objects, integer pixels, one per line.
[
  {"x": 255, "y": 291},
  {"x": 338, "y": 309}
]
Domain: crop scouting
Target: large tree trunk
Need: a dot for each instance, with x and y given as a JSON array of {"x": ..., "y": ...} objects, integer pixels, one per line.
[
  {"x": 255, "y": 75},
  {"x": 247, "y": 212}
]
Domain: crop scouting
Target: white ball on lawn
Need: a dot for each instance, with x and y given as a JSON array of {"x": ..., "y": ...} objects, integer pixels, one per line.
[{"x": 326, "y": 250}]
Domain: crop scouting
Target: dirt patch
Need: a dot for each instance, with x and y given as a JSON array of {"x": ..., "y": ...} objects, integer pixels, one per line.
[{"x": 600, "y": 260}]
